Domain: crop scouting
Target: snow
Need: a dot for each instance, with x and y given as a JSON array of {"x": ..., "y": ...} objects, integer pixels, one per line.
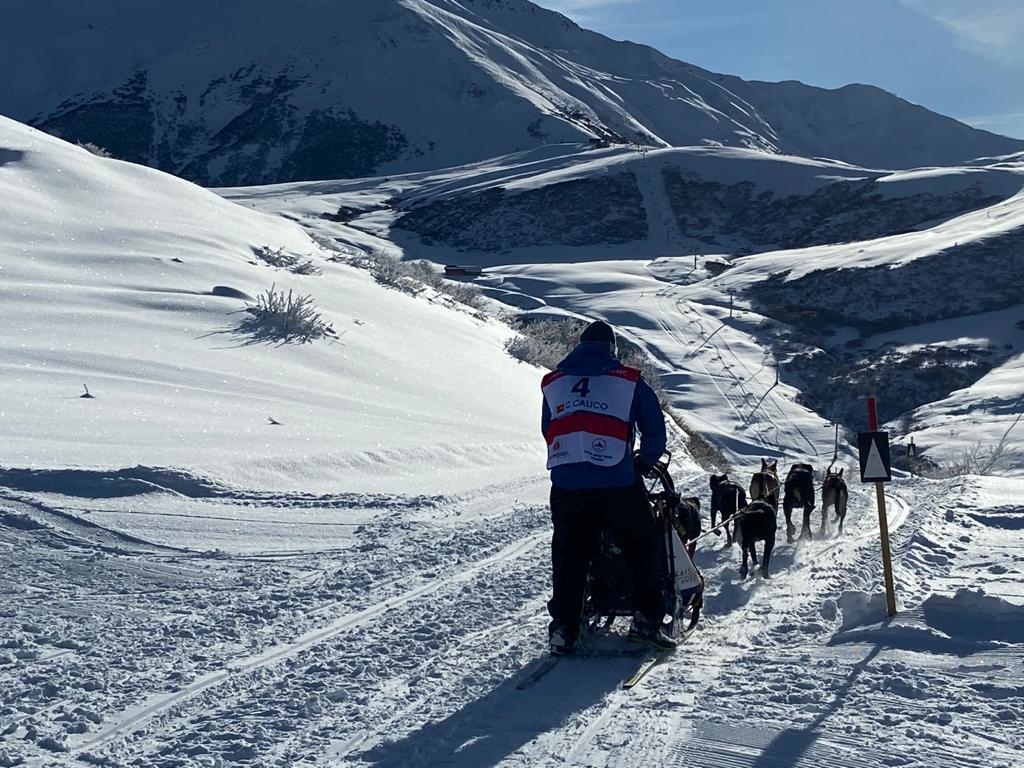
[
  {"x": 96, "y": 298},
  {"x": 187, "y": 584}
]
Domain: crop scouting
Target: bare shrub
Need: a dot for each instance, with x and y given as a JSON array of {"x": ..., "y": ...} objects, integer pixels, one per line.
[
  {"x": 88, "y": 146},
  {"x": 527, "y": 349},
  {"x": 634, "y": 356},
  {"x": 385, "y": 269},
  {"x": 285, "y": 318},
  {"x": 544, "y": 342},
  {"x": 413, "y": 276},
  {"x": 276, "y": 257},
  {"x": 547, "y": 342},
  {"x": 422, "y": 271},
  {"x": 464, "y": 294},
  {"x": 704, "y": 452},
  {"x": 976, "y": 459}
]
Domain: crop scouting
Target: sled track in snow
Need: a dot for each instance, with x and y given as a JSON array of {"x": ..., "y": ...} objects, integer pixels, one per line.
[
  {"x": 138, "y": 717},
  {"x": 737, "y": 381},
  {"x": 75, "y": 530},
  {"x": 734, "y": 406},
  {"x": 489, "y": 637},
  {"x": 716, "y": 745},
  {"x": 730, "y": 375},
  {"x": 781, "y": 415}
]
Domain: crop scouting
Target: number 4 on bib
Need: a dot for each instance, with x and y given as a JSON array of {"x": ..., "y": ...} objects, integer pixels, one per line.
[{"x": 582, "y": 387}]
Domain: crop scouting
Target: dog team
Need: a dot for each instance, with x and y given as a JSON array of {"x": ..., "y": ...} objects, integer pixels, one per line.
[{"x": 756, "y": 520}]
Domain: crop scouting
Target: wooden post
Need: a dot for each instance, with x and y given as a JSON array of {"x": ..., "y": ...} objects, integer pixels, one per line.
[{"x": 883, "y": 523}]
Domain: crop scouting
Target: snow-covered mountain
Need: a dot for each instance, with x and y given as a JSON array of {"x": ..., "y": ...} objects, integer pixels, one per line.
[
  {"x": 241, "y": 92},
  {"x": 696, "y": 199}
]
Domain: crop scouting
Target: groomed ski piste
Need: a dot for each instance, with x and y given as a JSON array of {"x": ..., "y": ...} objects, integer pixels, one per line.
[{"x": 336, "y": 554}]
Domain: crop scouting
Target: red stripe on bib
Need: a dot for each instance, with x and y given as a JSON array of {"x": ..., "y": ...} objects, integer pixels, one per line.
[{"x": 594, "y": 423}]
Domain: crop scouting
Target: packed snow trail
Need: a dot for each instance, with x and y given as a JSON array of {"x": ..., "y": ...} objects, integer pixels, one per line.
[
  {"x": 135, "y": 720},
  {"x": 417, "y": 664}
]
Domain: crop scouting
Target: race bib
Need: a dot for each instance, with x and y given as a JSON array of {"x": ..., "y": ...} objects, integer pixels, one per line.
[{"x": 589, "y": 416}]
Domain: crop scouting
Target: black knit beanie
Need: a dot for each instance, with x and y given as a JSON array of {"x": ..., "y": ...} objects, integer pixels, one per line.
[{"x": 598, "y": 331}]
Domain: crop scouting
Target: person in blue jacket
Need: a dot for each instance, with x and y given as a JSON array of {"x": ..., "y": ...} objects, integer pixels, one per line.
[{"x": 593, "y": 407}]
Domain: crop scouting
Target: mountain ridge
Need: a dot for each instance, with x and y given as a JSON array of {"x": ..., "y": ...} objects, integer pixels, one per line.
[{"x": 268, "y": 93}]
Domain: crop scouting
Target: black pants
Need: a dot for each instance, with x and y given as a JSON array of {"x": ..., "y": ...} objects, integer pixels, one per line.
[{"x": 578, "y": 518}]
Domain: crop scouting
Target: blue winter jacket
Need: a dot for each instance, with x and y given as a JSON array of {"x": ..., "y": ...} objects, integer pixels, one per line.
[{"x": 592, "y": 359}]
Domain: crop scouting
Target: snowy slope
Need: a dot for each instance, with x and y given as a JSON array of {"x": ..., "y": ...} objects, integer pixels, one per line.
[
  {"x": 238, "y": 92},
  {"x": 559, "y": 204},
  {"x": 88, "y": 240}
]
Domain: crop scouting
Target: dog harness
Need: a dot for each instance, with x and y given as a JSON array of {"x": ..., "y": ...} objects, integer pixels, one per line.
[{"x": 589, "y": 416}]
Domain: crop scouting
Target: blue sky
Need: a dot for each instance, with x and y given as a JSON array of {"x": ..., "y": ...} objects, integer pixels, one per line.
[{"x": 963, "y": 58}]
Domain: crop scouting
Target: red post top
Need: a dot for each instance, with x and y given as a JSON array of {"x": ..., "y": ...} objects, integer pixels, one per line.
[{"x": 872, "y": 415}]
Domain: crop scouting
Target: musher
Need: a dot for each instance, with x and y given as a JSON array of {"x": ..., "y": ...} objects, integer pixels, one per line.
[{"x": 593, "y": 406}]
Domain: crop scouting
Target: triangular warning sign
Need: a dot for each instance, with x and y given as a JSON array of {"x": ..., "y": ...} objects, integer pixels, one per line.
[
  {"x": 874, "y": 456},
  {"x": 874, "y": 469}
]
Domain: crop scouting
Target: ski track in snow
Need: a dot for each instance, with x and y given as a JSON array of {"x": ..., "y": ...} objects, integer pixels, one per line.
[{"x": 740, "y": 406}]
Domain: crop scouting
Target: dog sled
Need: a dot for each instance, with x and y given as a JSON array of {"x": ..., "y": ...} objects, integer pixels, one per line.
[{"x": 608, "y": 594}]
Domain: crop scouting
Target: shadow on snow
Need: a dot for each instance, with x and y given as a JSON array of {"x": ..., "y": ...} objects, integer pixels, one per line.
[{"x": 487, "y": 730}]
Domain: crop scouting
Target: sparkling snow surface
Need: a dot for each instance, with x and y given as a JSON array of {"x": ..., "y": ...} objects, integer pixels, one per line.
[{"x": 187, "y": 584}]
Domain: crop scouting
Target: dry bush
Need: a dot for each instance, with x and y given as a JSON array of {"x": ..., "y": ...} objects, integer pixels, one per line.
[
  {"x": 276, "y": 257},
  {"x": 977, "y": 459},
  {"x": 286, "y": 318},
  {"x": 544, "y": 342},
  {"x": 88, "y": 146},
  {"x": 413, "y": 276},
  {"x": 708, "y": 455}
]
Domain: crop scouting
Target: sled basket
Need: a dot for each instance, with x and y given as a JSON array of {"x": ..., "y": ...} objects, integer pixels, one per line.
[{"x": 608, "y": 592}]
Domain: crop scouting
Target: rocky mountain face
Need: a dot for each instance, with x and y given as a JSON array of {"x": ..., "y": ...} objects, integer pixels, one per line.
[
  {"x": 240, "y": 92},
  {"x": 723, "y": 201}
]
